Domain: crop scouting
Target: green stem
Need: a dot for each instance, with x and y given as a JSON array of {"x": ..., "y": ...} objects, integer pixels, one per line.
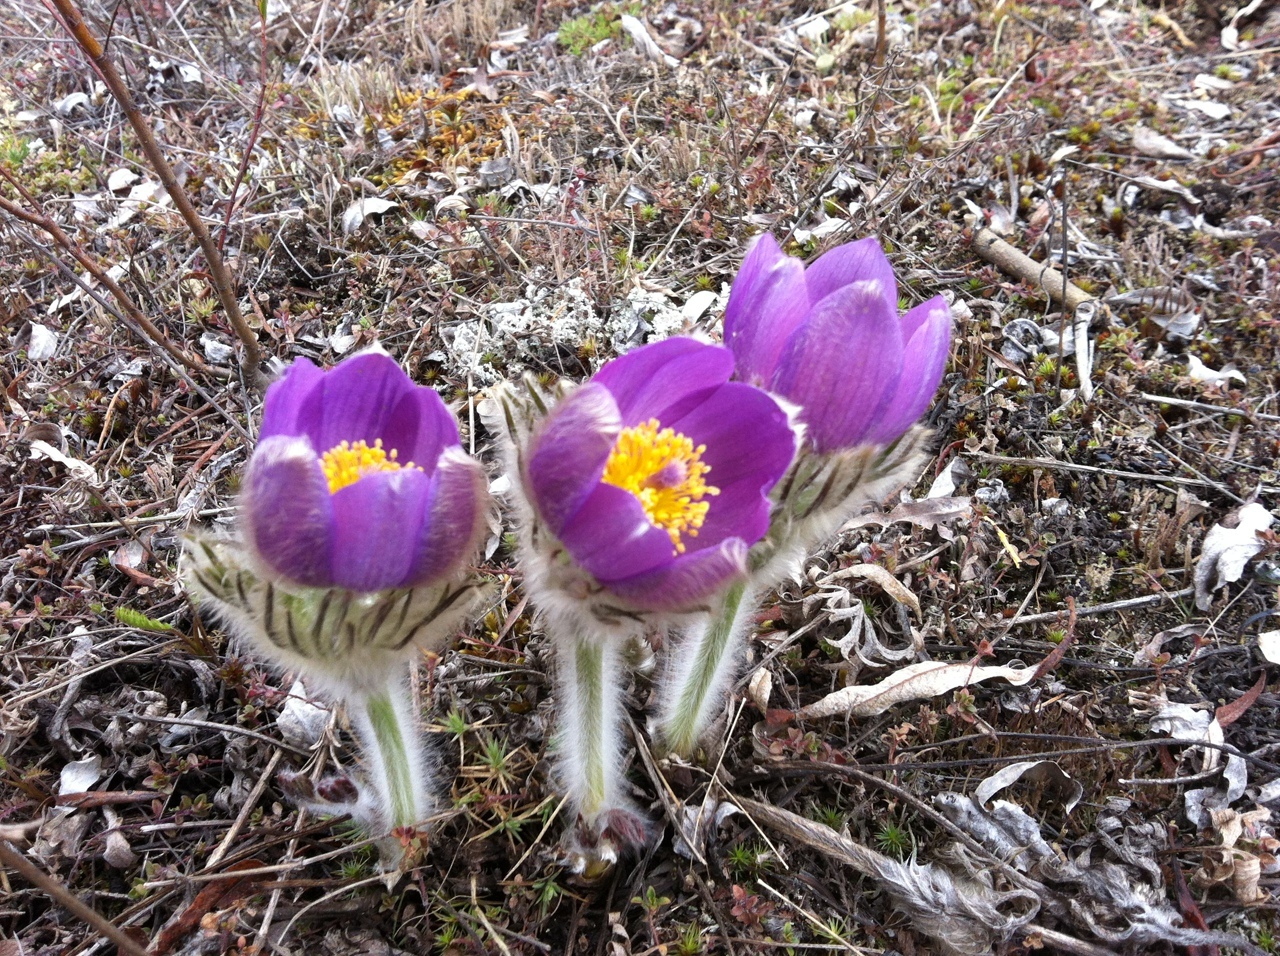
[
  {"x": 593, "y": 730},
  {"x": 703, "y": 665},
  {"x": 385, "y": 718},
  {"x": 589, "y": 699}
]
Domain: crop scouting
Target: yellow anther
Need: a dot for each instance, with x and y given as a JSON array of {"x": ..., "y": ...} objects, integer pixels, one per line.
[
  {"x": 665, "y": 471},
  {"x": 345, "y": 463}
]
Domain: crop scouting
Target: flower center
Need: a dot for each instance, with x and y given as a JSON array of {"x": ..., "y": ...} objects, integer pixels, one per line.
[
  {"x": 345, "y": 464},
  {"x": 665, "y": 471}
]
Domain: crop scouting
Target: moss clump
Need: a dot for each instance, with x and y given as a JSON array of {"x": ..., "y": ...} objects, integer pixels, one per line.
[{"x": 604, "y": 23}]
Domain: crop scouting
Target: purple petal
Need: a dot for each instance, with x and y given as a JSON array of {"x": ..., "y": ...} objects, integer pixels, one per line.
[
  {"x": 454, "y": 519},
  {"x": 686, "y": 582},
  {"x": 355, "y": 401},
  {"x": 860, "y": 261},
  {"x": 766, "y": 303},
  {"x": 286, "y": 396},
  {"x": 377, "y": 526},
  {"x": 287, "y": 510},
  {"x": 567, "y": 454},
  {"x": 419, "y": 428},
  {"x": 749, "y": 446},
  {"x": 843, "y": 365},
  {"x": 923, "y": 362},
  {"x": 665, "y": 379},
  {"x": 612, "y": 537}
]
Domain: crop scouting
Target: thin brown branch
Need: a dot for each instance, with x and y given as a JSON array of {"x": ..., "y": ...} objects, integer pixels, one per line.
[
  {"x": 66, "y": 899},
  {"x": 878, "y": 57},
  {"x": 130, "y": 308},
  {"x": 257, "y": 127},
  {"x": 219, "y": 276}
]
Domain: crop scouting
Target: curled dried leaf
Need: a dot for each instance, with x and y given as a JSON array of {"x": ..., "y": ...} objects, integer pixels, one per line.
[
  {"x": 1044, "y": 772},
  {"x": 915, "y": 682},
  {"x": 1228, "y": 548}
]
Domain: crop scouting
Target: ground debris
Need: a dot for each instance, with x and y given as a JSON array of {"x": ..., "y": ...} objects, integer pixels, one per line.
[{"x": 496, "y": 189}]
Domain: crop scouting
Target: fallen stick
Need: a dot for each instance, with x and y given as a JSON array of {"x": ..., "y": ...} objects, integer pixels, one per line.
[
  {"x": 1021, "y": 266},
  {"x": 67, "y": 900}
]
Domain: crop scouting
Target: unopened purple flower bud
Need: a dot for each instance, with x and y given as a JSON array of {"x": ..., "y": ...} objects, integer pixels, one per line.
[
  {"x": 830, "y": 339},
  {"x": 359, "y": 480},
  {"x": 359, "y": 512}
]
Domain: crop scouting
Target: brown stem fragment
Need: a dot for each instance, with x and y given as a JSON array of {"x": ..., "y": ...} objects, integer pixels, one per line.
[
  {"x": 66, "y": 899},
  {"x": 878, "y": 56},
  {"x": 219, "y": 275},
  {"x": 1021, "y": 266},
  {"x": 100, "y": 275}
]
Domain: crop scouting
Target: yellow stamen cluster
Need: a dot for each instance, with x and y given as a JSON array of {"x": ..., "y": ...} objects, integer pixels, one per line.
[
  {"x": 665, "y": 471},
  {"x": 345, "y": 463}
]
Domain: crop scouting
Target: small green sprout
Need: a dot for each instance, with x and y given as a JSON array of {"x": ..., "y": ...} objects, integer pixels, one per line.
[{"x": 894, "y": 840}]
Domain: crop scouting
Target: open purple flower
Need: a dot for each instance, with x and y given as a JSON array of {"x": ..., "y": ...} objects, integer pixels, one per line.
[
  {"x": 830, "y": 339},
  {"x": 654, "y": 475},
  {"x": 359, "y": 481}
]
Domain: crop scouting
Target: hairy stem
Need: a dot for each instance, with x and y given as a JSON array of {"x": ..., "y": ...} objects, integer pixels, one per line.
[
  {"x": 390, "y": 737},
  {"x": 591, "y": 707},
  {"x": 695, "y": 682}
]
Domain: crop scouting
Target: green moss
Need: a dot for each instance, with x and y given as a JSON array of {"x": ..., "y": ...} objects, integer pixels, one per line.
[{"x": 582, "y": 33}]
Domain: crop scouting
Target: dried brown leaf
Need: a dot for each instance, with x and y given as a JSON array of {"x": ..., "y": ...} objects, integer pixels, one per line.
[{"x": 921, "y": 681}]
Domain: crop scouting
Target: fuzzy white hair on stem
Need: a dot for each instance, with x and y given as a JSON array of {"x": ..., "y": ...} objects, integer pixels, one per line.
[
  {"x": 700, "y": 668},
  {"x": 396, "y": 763},
  {"x": 817, "y": 495},
  {"x": 354, "y": 648},
  {"x": 588, "y": 679},
  {"x": 589, "y": 632}
]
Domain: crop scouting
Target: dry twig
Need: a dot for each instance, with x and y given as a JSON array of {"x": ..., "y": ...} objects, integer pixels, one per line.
[
  {"x": 68, "y": 900},
  {"x": 219, "y": 275},
  {"x": 1021, "y": 266},
  {"x": 130, "y": 308}
]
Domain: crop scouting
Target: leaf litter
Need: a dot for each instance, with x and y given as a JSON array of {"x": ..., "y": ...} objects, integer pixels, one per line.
[{"x": 495, "y": 189}]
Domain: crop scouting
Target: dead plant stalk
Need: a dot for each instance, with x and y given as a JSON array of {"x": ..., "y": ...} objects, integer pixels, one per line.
[
  {"x": 100, "y": 275},
  {"x": 65, "y": 898},
  {"x": 219, "y": 276}
]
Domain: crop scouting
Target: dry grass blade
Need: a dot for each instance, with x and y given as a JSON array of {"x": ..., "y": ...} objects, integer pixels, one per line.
[{"x": 964, "y": 917}]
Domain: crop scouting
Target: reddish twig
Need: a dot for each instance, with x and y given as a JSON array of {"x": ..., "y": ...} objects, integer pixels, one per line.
[
  {"x": 66, "y": 899},
  {"x": 94, "y": 799},
  {"x": 1054, "y": 657},
  {"x": 881, "y": 44},
  {"x": 1254, "y": 151},
  {"x": 219, "y": 276},
  {"x": 1228, "y": 714},
  {"x": 125, "y": 301}
]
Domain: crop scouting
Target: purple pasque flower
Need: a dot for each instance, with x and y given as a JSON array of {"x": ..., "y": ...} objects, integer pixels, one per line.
[
  {"x": 830, "y": 339},
  {"x": 359, "y": 481},
  {"x": 655, "y": 475}
]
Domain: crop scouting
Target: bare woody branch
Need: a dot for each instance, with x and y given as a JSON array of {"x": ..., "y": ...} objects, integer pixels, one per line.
[
  {"x": 10, "y": 857},
  {"x": 218, "y": 272},
  {"x": 123, "y": 299},
  {"x": 1016, "y": 263}
]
